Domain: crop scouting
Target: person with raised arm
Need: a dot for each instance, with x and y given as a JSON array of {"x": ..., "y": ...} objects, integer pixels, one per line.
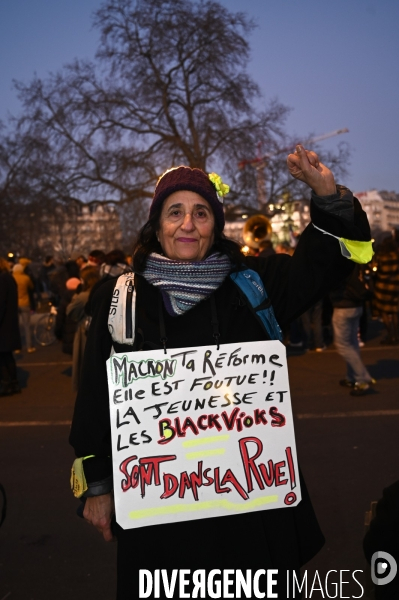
[{"x": 185, "y": 295}]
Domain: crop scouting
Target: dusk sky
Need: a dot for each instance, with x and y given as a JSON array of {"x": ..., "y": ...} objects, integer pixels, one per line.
[{"x": 335, "y": 63}]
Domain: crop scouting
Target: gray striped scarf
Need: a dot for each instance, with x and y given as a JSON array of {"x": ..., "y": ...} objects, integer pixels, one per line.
[{"x": 183, "y": 284}]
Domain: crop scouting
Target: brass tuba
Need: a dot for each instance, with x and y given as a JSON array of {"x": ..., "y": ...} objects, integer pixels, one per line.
[{"x": 256, "y": 230}]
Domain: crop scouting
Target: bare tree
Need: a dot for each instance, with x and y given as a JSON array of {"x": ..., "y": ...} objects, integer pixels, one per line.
[{"x": 168, "y": 86}]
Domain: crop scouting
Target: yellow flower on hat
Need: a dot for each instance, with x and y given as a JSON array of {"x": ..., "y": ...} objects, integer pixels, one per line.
[{"x": 221, "y": 188}]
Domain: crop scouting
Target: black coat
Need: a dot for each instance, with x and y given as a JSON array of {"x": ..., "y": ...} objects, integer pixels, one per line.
[
  {"x": 351, "y": 292},
  {"x": 10, "y": 338},
  {"x": 283, "y": 538},
  {"x": 65, "y": 326}
]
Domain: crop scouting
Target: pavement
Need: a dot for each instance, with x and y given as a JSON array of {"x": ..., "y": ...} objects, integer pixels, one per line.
[{"x": 347, "y": 449}]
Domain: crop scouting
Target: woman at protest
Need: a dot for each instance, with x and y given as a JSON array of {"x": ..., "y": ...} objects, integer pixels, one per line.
[{"x": 185, "y": 298}]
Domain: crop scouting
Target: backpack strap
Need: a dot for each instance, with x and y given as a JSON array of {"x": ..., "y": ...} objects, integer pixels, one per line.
[
  {"x": 251, "y": 285},
  {"x": 122, "y": 312}
]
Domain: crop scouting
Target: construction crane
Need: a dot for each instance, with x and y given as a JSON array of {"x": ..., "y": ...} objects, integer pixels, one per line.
[{"x": 260, "y": 162}]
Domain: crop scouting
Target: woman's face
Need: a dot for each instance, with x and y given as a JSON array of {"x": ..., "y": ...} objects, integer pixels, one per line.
[{"x": 186, "y": 228}]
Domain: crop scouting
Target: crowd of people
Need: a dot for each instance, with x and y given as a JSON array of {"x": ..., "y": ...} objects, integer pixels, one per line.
[
  {"x": 377, "y": 292},
  {"x": 341, "y": 316},
  {"x": 27, "y": 287}
]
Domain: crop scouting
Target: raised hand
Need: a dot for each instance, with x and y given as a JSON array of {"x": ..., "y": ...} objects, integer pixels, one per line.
[{"x": 305, "y": 166}]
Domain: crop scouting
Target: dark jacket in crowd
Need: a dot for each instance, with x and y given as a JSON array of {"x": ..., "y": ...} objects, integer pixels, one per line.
[
  {"x": 10, "y": 338},
  {"x": 44, "y": 275},
  {"x": 57, "y": 280},
  {"x": 72, "y": 269},
  {"x": 65, "y": 326},
  {"x": 351, "y": 292}
]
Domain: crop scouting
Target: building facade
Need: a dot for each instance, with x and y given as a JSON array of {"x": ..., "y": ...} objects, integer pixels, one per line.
[
  {"x": 382, "y": 209},
  {"x": 291, "y": 218},
  {"x": 81, "y": 227}
]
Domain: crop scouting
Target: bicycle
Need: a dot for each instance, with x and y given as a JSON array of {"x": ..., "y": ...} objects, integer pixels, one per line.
[{"x": 44, "y": 330}]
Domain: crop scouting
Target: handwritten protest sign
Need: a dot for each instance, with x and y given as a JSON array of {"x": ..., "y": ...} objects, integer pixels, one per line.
[{"x": 200, "y": 432}]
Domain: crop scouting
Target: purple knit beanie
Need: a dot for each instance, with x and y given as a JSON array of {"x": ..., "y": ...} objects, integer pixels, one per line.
[{"x": 193, "y": 180}]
